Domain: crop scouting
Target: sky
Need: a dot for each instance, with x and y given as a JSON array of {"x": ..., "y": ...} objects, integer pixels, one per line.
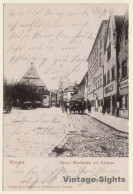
[{"x": 56, "y": 38}]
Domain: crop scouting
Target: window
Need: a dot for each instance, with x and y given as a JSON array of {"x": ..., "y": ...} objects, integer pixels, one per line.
[
  {"x": 109, "y": 52},
  {"x": 97, "y": 50},
  {"x": 105, "y": 79},
  {"x": 100, "y": 43},
  {"x": 126, "y": 32},
  {"x": 100, "y": 62},
  {"x": 108, "y": 76},
  {"x": 96, "y": 66},
  {"x": 100, "y": 81},
  {"x": 113, "y": 73},
  {"x": 109, "y": 32},
  {"x": 114, "y": 35},
  {"x": 124, "y": 69}
]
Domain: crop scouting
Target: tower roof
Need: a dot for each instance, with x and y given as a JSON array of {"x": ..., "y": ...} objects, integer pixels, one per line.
[
  {"x": 31, "y": 77},
  {"x": 31, "y": 73}
]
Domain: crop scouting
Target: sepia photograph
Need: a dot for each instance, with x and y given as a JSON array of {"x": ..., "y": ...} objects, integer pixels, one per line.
[{"x": 65, "y": 96}]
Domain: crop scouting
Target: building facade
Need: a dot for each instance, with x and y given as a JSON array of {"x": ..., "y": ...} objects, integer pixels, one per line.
[
  {"x": 111, "y": 65},
  {"x": 96, "y": 68},
  {"x": 53, "y": 98},
  {"x": 81, "y": 92},
  {"x": 68, "y": 92},
  {"x": 66, "y": 89},
  {"x": 124, "y": 70}
]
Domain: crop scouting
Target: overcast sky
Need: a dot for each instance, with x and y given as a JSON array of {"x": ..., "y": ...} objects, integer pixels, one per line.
[{"x": 57, "y": 38}]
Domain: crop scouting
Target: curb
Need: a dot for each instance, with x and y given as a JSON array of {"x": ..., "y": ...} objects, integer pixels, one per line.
[{"x": 106, "y": 124}]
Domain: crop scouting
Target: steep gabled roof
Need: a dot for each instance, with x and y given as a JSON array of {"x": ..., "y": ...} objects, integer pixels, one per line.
[
  {"x": 32, "y": 78},
  {"x": 31, "y": 73},
  {"x": 70, "y": 89},
  {"x": 104, "y": 22}
]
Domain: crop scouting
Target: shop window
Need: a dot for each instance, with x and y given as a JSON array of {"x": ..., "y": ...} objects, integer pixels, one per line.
[
  {"x": 120, "y": 100},
  {"x": 126, "y": 101},
  {"x": 123, "y": 102},
  {"x": 126, "y": 32},
  {"x": 99, "y": 102},
  {"x": 113, "y": 73},
  {"x": 109, "y": 52},
  {"x": 124, "y": 69},
  {"x": 93, "y": 103}
]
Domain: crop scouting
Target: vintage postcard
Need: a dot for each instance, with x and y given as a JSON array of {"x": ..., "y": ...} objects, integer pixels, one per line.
[{"x": 65, "y": 97}]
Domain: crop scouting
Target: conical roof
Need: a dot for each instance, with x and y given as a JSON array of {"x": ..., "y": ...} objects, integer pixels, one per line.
[
  {"x": 32, "y": 78},
  {"x": 31, "y": 73}
]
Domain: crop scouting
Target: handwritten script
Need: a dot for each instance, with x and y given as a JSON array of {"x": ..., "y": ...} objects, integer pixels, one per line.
[{"x": 57, "y": 38}]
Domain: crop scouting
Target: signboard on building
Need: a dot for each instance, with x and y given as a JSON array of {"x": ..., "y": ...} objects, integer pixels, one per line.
[
  {"x": 124, "y": 84},
  {"x": 109, "y": 89}
]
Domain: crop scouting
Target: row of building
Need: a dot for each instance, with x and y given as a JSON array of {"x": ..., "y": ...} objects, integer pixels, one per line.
[{"x": 105, "y": 84}]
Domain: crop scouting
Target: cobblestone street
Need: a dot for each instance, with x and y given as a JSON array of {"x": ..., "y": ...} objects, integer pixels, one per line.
[{"x": 50, "y": 132}]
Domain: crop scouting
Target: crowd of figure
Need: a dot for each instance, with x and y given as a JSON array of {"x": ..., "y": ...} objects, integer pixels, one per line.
[{"x": 76, "y": 106}]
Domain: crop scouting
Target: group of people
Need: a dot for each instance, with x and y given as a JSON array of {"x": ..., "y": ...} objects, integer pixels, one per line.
[{"x": 76, "y": 106}]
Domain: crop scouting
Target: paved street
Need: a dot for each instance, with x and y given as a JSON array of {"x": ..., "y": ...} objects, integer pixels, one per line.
[{"x": 50, "y": 132}]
